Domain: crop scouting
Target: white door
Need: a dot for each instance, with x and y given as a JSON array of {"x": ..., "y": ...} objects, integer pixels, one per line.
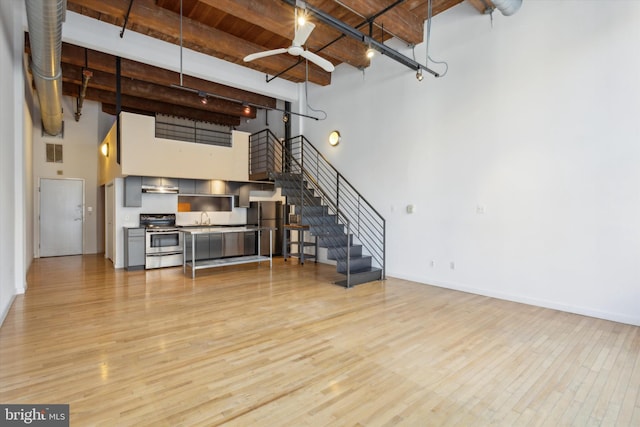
[
  {"x": 61, "y": 216},
  {"x": 108, "y": 229}
]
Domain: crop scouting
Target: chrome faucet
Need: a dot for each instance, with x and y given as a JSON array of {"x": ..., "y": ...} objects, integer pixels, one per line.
[{"x": 207, "y": 215}]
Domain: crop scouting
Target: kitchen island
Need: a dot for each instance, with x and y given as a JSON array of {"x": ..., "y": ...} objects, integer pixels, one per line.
[{"x": 194, "y": 262}]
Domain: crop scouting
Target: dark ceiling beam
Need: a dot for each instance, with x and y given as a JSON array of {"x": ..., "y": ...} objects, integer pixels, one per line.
[
  {"x": 148, "y": 18},
  {"x": 438, "y": 6},
  {"x": 153, "y": 92},
  {"x": 269, "y": 15},
  {"x": 133, "y": 103},
  {"x": 99, "y": 61},
  {"x": 399, "y": 21}
]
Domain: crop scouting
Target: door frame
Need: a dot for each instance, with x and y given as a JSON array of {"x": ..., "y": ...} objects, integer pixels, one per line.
[{"x": 36, "y": 236}]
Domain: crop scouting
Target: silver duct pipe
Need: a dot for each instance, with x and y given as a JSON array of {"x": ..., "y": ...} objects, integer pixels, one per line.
[
  {"x": 45, "y": 18},
  {"x": 507, "y": 7}
]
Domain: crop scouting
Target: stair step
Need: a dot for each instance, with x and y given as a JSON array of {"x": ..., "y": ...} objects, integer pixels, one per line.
[
  {"x": 313, "y": 210},
  {"x": 295, "y": 200},
  {"x": 355, "y": 264},
  {"x": 358, "y": 277},
  {"x": 328, "y": 230},
  {"x": 340, "y": 252},
  {"x": 322, "y": 220},
  {"x": 332, "y": 240}
]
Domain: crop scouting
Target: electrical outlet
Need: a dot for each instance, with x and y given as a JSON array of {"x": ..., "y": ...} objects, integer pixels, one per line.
[
  {"x": 432, "y": 263},
  {"x": 452, "y": 265}
]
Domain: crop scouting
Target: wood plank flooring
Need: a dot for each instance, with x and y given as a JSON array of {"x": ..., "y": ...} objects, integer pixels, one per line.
[{"x": 249, "y": 346}]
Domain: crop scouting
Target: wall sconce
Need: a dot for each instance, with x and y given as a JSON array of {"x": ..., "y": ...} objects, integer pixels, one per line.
[
  {"x": 246, "y": 108},
  {"x": 334, "y": 138},
  {"x": 104, "y": 149}
]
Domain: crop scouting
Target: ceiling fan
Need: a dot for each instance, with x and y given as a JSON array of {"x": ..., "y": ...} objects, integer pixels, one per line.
[{"x": 302, "y": 32}]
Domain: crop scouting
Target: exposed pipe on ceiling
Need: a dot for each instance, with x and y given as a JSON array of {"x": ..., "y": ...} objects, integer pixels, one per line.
[
  {"x": 45, "y": 18},
  {"x": 86, "y": 76},
  {"x": 507, "y": 7}
]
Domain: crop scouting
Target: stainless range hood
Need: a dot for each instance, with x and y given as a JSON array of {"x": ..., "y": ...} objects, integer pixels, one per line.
[{"x": 156, "y": 189}]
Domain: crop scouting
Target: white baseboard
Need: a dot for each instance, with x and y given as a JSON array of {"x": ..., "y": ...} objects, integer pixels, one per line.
[
  {"x": 584, "y": 311},
  {"x": 5, "y": 310}
]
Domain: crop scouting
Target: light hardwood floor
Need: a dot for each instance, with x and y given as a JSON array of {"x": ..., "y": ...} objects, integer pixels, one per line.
[{"x": 249, "y": 346}]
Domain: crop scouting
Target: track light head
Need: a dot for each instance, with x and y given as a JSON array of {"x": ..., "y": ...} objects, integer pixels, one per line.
[
  {"x": 371, "y": 52},
  {"x": 419, "y": 75},
  {"x": 203, "y": 97}
]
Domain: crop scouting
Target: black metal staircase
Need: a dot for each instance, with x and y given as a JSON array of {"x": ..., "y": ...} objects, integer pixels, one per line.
[{"x": 351, "y": 230}]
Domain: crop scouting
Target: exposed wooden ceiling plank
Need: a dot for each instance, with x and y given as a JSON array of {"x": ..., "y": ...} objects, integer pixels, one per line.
[
  {"x": 140, "y": 105},
  {"x": 148, "y": 18},
  {"x": 277, "y": 17},
  {"x": 399, "y": 20},
  {"x": 421, "y": 7},
  {"x": 481, "y": 5},
  {"x": 132, "y": 69},
  {"x": 140, "y": 89}
]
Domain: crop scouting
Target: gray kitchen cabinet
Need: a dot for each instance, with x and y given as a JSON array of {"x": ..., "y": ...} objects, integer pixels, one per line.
[
  {"x": 133, "y": 192},
  {"x": 156, "y": 181},
  {"x": 250, "y": 243},
  {"x": 202, "y": 186},
  {"x": 202, "y": 247},
  {"x": 233, "y": 244},
  {"x": 171, "y": 182},
  {"x": 134, "y": 248},
  {"x": 187, "y": 186},
  {"x": 218, "y": 187},
  {"x": 152, "y": 181},
  {"x": 215, "y": 246},
  {"x": 243, "y": 195}
]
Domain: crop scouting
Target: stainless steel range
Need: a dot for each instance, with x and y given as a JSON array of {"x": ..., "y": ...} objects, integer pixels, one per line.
[{"x": 164, "y": 241}]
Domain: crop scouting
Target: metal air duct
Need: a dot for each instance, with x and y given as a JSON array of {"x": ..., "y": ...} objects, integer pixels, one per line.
[
  {"x": 507, "y": 7},
  {"x": 45, "y": 18}
]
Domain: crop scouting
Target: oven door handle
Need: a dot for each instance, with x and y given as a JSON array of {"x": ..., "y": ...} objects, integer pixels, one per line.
[{"x": 164, "y": 253}]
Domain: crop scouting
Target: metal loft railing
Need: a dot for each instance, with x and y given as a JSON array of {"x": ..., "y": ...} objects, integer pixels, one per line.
[{"x": 298, "y": 164}]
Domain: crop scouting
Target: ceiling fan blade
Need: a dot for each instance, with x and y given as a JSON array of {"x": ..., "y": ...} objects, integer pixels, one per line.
[
  {"x": 302, "y": 33},
  {"x": 259, "y": 55},
  {"x": 318, "y": 60}
]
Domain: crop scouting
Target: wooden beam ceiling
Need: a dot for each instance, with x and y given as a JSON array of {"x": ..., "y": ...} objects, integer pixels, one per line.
[
  {"x": 148, "y": 18},
  {"x": 230, "y": 30}
]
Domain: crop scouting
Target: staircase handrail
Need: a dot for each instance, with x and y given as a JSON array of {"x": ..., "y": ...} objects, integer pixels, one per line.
[
  {"x": 376, "y": 245},
  {"x": 291, "y": 158}
]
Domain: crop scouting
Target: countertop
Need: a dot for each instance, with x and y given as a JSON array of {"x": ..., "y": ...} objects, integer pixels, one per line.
[{"x": 226, "y": 229}]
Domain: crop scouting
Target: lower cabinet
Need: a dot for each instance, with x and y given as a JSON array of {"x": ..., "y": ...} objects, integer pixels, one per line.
[
  {"x": 134, "y": 248},
  {"x": 250, "y": 243},
  {"x": 215, "y": 246},
  {"x": 202, "y": 247},
  {"x": 233, "y": 244},
  {"x": 212, "y": 246}
]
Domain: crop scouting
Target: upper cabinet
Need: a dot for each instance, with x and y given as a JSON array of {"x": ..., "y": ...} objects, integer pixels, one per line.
[{"x": 133, "y": 192}]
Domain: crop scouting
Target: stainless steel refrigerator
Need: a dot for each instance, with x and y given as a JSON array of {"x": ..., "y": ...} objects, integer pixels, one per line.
[{"x": 267, "y": 214}]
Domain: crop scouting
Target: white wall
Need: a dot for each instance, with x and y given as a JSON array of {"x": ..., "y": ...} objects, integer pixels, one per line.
[
  {"x": 144, "y": 154},
  {"x": 536, "y": 125},
  {"x": 80, "y": 143},
  {"x": 14, "y": 260}
]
